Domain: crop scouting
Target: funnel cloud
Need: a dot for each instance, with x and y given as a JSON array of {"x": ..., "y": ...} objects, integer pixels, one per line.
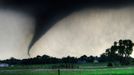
[{"x": 68, "y": 27}]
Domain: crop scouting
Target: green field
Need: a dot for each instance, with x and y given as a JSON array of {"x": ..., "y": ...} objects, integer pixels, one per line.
[
  {"x": 84, "y": 69},
  {"x": 104, "y": 71}
]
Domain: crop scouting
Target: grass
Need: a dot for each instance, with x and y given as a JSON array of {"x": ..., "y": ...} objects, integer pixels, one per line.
[
  {"x": 85, "y": 69},
  {"x": 105, "y": 71}
]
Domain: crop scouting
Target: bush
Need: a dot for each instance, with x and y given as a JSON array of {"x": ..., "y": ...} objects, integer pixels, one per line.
[{"x": 109, "y": 64}]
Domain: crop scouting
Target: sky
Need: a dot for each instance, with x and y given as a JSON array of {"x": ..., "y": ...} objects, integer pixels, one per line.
[{"x": 88, "y": 31}]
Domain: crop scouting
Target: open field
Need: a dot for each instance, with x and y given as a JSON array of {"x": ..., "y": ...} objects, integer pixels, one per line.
[
  {"x": 49, "y": 66},
  {"x": 103, "y": 71}
]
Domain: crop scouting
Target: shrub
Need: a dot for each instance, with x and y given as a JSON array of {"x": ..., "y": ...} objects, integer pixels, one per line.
[{"x": 109, "y": 64}]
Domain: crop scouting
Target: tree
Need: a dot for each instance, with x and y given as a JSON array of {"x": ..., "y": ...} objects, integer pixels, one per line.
[
  {"x": 120, "y": 51},
  {"x": 125, "y": 48}
]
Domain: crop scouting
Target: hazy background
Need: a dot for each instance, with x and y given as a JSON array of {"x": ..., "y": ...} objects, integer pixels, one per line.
[{"x": 16, "y": 31}]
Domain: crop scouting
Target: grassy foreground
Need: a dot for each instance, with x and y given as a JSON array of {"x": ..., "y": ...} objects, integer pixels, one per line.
[{"x": 104, "y": 71}]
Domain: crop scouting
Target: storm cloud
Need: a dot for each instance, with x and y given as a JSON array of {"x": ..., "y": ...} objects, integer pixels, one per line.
[{"x": 76, "y": 24}]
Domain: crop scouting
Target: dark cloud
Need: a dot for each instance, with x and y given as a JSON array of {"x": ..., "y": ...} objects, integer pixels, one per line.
[{"x": 48, "y": 12}]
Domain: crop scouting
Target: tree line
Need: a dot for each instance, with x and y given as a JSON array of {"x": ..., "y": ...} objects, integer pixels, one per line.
[{"x": 45, "y": 59}]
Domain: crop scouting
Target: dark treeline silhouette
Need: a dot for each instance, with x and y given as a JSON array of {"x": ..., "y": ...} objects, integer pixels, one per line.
[{"x": 45, "y": 59}]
